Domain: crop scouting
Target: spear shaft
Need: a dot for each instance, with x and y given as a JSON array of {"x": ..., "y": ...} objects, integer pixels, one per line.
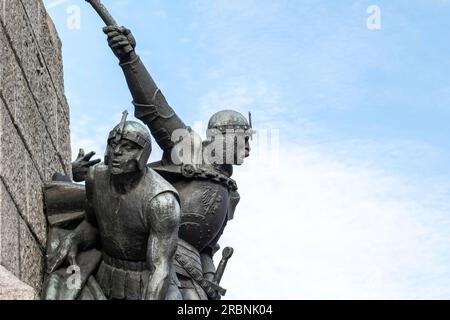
[{"x": 103, "y": 12}]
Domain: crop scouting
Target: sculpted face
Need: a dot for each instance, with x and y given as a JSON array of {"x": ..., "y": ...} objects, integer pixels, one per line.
[
  {"x": 231, "y": 129},
  {"x": 123, "y": 156},
  {"x": 229, "y": 148},
  {"x": 237, "y": 147},
  {"x": 247, "y": 147},
  {"x": 242, "y": 148}
]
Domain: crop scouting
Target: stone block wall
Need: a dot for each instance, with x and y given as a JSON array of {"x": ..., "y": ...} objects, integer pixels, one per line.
[{"x": 34, "y": 139}]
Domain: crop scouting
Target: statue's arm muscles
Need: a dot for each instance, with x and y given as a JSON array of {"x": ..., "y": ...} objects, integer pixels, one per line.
[
  {"x": 164, "y": 219},
  {"x": 151, "y": 106},
  {"x": 86, "y": 236}
]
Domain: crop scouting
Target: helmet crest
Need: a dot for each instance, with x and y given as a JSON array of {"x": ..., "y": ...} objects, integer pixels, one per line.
[{"x": 121, "y": 127}]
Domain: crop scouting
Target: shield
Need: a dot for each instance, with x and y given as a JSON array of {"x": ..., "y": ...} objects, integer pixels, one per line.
[{"x": 204, "y": 206}]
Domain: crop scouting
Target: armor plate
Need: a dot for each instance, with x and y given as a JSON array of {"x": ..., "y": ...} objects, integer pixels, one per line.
[
  {"x": 121, "y": 218},
  {"x": 204, "y": 207}
]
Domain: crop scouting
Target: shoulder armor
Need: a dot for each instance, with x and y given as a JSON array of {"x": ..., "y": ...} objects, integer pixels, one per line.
[
  {"x": 159, "y": 184},
  {"x": 190, "y": 172}
]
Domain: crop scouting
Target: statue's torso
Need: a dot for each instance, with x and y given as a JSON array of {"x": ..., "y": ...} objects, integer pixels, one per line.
[
  {"x": 205, "y": 204},
  {"x": 204, "y": 207},
  {"x": 123, "y": 218}
]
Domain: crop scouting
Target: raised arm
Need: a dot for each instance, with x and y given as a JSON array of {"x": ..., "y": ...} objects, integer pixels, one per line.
[
  {"x": 164, "y": 213},
  {"x": 150, "y": 104}
]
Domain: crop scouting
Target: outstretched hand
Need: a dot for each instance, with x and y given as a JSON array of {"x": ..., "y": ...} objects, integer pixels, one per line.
[
  {"x": 81, "y": 165},
  {"x": 121, "y": 41}
]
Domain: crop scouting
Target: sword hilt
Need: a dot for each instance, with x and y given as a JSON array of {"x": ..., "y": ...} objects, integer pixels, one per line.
[{"x": 227, "y": 253}]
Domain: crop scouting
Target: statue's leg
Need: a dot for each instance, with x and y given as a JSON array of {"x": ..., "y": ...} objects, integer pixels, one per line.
[
  {"x": 190, "y": 294},
  {"x": 174, "y": 293},
  {"x": 190, "y": 290},
  {"x": 51, "y": 287}
]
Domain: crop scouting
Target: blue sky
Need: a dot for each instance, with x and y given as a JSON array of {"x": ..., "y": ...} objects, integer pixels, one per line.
[{"x": 358, "y": 201}]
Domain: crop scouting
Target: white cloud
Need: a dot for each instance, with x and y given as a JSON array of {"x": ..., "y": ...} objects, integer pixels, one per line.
[
  {"x": 161, "y": 14},
  {"x": 320, "y": 228},
  {"x": 338, "y": 220},
  {"x": 89, "y": 135}
]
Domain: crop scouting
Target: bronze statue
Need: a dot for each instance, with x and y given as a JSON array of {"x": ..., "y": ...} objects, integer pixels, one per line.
[
  {"x": 82, "y": 164},
  {"x": 132, "y": 216},
  {"x": 202, "y": 176}
]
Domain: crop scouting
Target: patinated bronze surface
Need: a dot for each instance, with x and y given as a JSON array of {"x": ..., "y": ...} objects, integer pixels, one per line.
[
  {"x": 128, "y": 235},
  {"x": 200, "y": 171},
  {"x": 208, "y": 194}
]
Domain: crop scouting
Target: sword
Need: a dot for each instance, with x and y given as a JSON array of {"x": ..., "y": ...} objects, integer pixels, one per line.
[
  {"x": 227, "y": 253},
  {"x": 212, "y": 288},
  {"x": 107, "y": 18}
]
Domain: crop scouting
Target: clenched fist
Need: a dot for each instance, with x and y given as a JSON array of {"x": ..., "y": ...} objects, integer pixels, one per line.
[{"x": 121, "y": 42}]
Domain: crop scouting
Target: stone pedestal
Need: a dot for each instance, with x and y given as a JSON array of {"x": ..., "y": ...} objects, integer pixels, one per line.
[
  {"x": 34, "y": 140},
  {"x": 11, "y": 288}
]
